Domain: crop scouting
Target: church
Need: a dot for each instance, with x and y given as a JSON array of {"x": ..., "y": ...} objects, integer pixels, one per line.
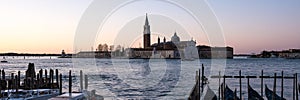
[{"x": 173, "y": 49}]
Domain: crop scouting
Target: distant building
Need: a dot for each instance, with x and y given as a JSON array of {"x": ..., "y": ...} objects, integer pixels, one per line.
[
  {"x": 93, "y": 54},
  {"x": 207, "y": 52},
  {"x": 291, "y": 53}
]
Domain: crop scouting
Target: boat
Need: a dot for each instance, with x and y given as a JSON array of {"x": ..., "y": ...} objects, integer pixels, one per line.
[
  {"x": 34, "y": 94},
  {"x": 253, "y": 95},
  {"x": 64, "y": 55},
  {"x": 269, "y": 94},
  {"x": 229, "y": 94},
  {"x": 70, "y": 96},
  {"x": 4, "y": 61},
  {"x": 210, "y": 95}
]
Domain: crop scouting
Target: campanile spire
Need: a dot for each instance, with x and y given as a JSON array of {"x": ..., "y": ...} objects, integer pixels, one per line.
[{"x": 147, "y": 38}]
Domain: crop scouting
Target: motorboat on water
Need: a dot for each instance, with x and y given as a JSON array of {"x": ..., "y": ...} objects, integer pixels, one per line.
[
  {"x": 34, "y": 94},
  {"x": 4, "y": 61}
]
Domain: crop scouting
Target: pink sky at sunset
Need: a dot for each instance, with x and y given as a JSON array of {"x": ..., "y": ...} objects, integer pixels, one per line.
[{"x": 49, "y": 26}]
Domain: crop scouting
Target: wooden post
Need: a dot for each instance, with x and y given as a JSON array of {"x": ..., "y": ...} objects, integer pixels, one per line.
[
  {"x": 86, "y": 82},
  {"x": 12, "y": 81},
  {"x": 248, "y": 84},
  {"x": 46, "y": 76},
  {"x": 51, "y": 78},
  {"x": 296, "y": 76},
  {"x": 240, "y": 81},
  {"x": 224, "y": 83},
  {"x": 19, "y": 78},
  {"x": 294, "y": 86},
  {"x": 3, "y": 74},
  {"x": 60, "y": 84},
  {"x": 262, "y": 83},
  {"x": 219, "y": 85},
  {"x": 16, "y": 84},
  {"x": 202, "y": 83},
  {"x": 38, "y": 80},
  {"x": 198, "y": 81},
  {"x": 274, "y": 87},
  {"x": 41, "y": 76},
  {"x": 281, "y": 93},
  {"x": 0, "y": 85},
  {"x": 81, "y": 81},
  {"x": 56, "y": 75},
  {"x": 70, "y": 82}
]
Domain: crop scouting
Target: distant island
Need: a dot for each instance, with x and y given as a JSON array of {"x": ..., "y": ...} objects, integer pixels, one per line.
[{"x": 174, "y": 49}]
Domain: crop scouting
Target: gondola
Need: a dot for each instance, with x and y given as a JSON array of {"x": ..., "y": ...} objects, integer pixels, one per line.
[
  {"x": 269, "y": 94},
  {"x": 210, "y": 95},
  {"x": 229, "y": 94},
  {"x": 253, "y": 95}
]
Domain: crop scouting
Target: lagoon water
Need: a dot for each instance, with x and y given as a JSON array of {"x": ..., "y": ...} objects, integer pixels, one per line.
[{"x": 157, "y": 78}]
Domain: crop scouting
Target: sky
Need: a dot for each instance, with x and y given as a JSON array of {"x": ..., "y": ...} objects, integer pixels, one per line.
[{"x": 49, "y": 26}]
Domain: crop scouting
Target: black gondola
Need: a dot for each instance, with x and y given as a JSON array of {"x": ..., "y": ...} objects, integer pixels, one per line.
[
  {"x": 269, "y": 94},
  {"x": 229, "y": 94},
  {"x": 210, "y": 95},
  {"x": 253, "y": 95}
]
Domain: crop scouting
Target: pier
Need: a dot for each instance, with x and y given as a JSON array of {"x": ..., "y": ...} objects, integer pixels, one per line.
[
  {"x": 201, "y": 81},
  {"x": 30, "y": 81},
  {"x": 41, "y": 85}
]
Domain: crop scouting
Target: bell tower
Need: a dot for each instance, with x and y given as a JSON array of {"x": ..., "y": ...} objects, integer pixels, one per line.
[{"x": 147, "y": 38}]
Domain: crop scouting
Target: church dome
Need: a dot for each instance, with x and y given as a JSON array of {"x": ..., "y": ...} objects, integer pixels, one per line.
[{"x": 175, "y": 38}]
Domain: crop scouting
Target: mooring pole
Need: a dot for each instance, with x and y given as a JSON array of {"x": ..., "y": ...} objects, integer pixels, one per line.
[
  {"x": 240, "y": 81},
  {"x": 199, "y": 78},
  {"x": 296, "y": 76},
  {"x": 262, "y": 83},
  {"x": 86, "y": 82},
  {"x": 12, "y": 81},
  {"x": 248, "y": 84},
  {"x": 70, "y": 82},
  {"x": 219, "y": 85},
  {"x": 281, "y": 84},
  {"x": 274, "y": 87},
  {"x": 56, "y": 76},
  {"x": 81, "y": 81},
  {"x": 224, "y": 83},
  {"x": 46, "y": 76},
  {"x": 19, "y": 78},
  {"x": 294, "y": 86},
  {"x": 202, "y": 83},
  {"x": 60, "y": 84}
]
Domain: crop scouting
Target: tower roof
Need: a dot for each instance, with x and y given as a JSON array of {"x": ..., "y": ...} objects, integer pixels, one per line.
[{"x": 146, "y": 21}]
